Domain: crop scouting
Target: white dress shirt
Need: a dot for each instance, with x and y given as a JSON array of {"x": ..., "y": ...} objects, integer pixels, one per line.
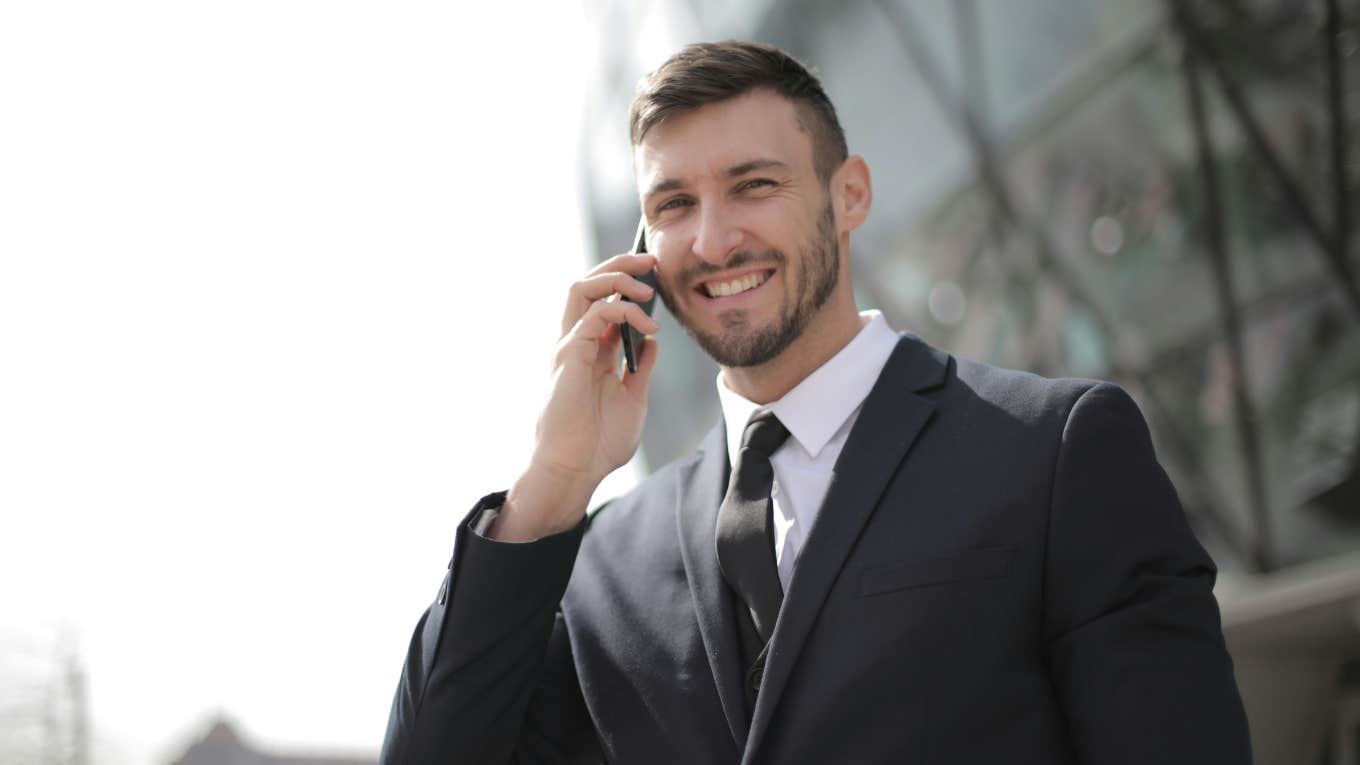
[{"x": 819, "y": 413}]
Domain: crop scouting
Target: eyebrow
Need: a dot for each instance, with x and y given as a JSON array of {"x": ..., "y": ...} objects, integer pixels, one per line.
[
  {"x": 752, "y": 166},
  {"x": 735, "y": 171}
]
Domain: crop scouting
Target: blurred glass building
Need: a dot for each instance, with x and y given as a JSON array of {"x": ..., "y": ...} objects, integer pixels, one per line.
[{"x": 1158, "y": 194}]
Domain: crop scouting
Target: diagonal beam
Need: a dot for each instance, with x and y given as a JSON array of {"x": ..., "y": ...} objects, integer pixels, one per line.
[
  {"x": 1248, "y": 433},
  {"x": 1196, "y": 37}
]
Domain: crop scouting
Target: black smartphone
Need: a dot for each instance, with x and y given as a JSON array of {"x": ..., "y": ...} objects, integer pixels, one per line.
[{"x": 631, "y": 337}]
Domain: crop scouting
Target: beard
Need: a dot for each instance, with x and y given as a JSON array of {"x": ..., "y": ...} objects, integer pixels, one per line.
[{"x": 741, "y": 344}]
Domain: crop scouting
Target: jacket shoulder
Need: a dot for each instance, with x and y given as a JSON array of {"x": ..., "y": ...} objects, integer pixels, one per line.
[{"x": 1025, "y": 396}]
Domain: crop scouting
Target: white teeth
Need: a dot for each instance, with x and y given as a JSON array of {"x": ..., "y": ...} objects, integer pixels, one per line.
[{"x": 723, "y": 289}]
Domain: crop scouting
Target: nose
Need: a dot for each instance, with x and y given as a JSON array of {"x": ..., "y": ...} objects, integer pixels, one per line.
[{"x": 717, "y": 236}]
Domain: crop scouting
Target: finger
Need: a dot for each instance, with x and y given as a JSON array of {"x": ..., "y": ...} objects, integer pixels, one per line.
[
  {"x": 607, "y": 350},
  {"x": 602, "y": 314},
  {"x": 592, "y": 288},
  {"x": 636, "y": 264},
  {"x": 591, "y": 338},
  {"x": 604, "y": 285},
  {"x": 636, "y": 382}
]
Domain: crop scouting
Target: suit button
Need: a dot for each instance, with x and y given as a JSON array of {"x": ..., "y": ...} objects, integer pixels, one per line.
[{"x": 756, "y": 675}]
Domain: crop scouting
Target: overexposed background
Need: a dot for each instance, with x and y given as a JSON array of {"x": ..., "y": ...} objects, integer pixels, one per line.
[{"x": 278, "y": 282}]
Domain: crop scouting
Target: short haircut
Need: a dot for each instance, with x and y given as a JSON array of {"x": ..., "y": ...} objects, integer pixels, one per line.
[{"x": 706, "y": 73}]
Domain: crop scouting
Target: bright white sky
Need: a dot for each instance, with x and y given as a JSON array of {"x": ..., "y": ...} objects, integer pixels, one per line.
[{"x": 278, "y": 282}]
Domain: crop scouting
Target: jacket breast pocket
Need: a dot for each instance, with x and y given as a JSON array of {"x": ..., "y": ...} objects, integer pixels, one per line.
[{"x": 971, "y": 565}]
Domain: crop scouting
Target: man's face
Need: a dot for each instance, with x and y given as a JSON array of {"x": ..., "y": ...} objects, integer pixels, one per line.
[{"x": 743, "y": 229}]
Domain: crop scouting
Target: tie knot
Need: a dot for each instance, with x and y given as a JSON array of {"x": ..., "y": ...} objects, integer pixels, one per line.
[{"x": 764, "y": 433}]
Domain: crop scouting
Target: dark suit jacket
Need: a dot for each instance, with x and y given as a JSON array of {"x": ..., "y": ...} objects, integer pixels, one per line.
[{"x": 1001, "y": 572}]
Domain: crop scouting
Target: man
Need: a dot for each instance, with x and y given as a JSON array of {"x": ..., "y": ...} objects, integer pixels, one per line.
[{"x": 915, "y": 558}]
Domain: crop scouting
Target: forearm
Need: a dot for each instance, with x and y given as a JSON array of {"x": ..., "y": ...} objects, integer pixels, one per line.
[{"x": 477, "y": 655}]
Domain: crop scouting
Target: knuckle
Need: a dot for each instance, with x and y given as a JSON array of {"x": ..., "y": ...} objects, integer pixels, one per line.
[
  {"x": 607, "y": 312},
  {"x": 562, "y": 355}
]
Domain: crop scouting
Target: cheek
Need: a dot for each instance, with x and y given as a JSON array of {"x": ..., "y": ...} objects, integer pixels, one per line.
[
  {"x": 671, "y": 242},
  {"x": 670, "y": 252},
  {"x": 778, "y": 224},
  {"x": 668, "y": 289},
  {"x": 668, "y": 274}
]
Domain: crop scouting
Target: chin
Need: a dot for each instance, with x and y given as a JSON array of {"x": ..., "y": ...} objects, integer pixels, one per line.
[{"x": 736, "y": 348}]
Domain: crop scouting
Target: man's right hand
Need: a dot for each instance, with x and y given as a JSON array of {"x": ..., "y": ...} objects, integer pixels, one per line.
[{"x": 592, "y": 421}]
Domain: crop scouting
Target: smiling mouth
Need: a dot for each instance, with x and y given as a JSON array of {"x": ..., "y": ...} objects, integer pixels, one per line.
[{"x": 717, "y": 289}]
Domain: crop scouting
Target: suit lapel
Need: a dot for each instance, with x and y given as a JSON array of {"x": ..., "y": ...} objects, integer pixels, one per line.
[
  {"x": 701, "y": 487},
  {"x": 892, "y": 417}
]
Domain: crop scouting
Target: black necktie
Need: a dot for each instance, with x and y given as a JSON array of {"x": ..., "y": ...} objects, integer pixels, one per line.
[{"x": 745, "y": 535}]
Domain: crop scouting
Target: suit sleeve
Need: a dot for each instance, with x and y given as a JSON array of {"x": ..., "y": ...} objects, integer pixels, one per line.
[
  {"x": 488, "y": 676},
  {"x": 1134, "y": 640}
]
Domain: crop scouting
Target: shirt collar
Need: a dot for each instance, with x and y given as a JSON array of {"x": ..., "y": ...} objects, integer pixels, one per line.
[{"x": 818, "y": 406}]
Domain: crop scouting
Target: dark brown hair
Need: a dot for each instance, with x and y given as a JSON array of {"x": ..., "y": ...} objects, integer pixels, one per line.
[{"x": 706, "y": 73}]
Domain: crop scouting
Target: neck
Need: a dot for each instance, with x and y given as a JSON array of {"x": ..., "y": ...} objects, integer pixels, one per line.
[{"x": 821, "y": 340}]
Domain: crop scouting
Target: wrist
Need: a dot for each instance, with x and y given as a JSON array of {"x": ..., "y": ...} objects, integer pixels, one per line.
[{"x": 543, "y": 501}]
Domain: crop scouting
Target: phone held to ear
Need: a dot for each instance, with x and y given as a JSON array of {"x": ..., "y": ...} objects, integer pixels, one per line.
[{"x": 631, "y": 337}]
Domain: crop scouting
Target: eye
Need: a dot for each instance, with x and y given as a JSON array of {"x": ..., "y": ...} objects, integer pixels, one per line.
[
  {"x": 673, "y": 204},
  {"x": 754, "y": 183}
]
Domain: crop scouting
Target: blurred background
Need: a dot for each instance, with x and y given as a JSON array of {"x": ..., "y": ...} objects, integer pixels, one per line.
[{"x": 265, "y": 268}]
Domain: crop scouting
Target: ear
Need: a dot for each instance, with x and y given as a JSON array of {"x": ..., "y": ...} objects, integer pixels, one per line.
[{"x": 852, "y": 192}]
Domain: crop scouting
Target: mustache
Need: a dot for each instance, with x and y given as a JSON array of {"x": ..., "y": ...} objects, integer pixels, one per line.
[{"x": 738, "y": 260}]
